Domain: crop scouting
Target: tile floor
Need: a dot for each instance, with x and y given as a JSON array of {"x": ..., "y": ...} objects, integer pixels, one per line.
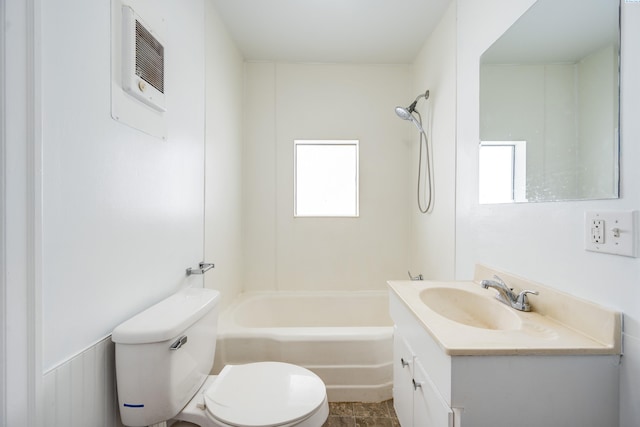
[{"x": 357, "y": 414}]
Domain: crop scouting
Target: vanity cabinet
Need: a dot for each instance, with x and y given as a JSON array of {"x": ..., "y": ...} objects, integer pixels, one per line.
[
  {"x": 417, "y": 401},
  {"x": 479, "y": 390}
]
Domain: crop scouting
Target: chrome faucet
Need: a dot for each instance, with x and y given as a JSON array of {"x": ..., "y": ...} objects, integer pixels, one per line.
[
  {"x": 418, "y": 277},
  {"x": 506, "y": 294}
]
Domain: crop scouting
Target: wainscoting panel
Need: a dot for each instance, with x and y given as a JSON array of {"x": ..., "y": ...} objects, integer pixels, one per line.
[{"x": 82, "y": 391}]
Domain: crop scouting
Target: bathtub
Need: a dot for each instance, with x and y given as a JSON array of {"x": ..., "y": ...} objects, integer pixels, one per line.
[{"x": 344, "y": 337}]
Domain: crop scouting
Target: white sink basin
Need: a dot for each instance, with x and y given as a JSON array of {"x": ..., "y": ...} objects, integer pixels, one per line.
[
  {"x": 467, "y": 320},
  {"x": 470, "y": 308}
]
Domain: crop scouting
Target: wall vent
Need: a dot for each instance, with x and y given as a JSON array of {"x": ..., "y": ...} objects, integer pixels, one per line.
[{"x": 142, "y": 61}]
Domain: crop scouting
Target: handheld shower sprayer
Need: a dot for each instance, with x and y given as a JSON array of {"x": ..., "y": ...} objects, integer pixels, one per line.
[{"x": 408, "y": 114}]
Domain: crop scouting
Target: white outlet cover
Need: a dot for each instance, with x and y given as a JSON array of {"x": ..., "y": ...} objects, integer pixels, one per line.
[{"x": 619, "y": 232}]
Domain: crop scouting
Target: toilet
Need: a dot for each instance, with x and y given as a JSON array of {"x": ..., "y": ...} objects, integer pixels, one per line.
[{"x": 163, "y": 359}]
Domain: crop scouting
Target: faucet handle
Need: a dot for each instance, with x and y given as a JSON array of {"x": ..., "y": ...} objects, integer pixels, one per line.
[
  {"x": 522, "y": 303},
  {"x": 524, "y": 293}
]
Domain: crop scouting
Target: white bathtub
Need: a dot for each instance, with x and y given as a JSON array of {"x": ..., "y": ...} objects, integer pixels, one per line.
[{"x": 344, "y": 337}]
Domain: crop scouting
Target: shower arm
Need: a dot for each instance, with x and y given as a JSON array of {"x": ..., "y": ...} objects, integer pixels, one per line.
[{"x": 412, "y": 107}]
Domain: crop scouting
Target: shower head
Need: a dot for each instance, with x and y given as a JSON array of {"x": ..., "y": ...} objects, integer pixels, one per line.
[
  {"x": 403, "y": 113},
  {"x": 407, "y": 113}
]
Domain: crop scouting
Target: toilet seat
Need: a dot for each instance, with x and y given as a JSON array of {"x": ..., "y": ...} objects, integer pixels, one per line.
[{"x": 276, "y": 393}]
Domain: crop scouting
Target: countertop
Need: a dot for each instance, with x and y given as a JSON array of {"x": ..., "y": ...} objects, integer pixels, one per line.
[{"x": 549, "y": 329}]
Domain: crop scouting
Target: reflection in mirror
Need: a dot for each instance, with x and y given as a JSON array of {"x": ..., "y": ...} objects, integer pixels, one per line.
[
  {"x": 503, "y": 171},
  {"x": 549, "y": 105}
]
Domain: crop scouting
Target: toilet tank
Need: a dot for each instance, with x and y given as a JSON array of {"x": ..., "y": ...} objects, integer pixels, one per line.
[{"x": 164, "y": 354}]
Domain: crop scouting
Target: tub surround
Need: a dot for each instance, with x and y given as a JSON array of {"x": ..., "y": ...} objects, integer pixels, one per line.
[{"x": 558, "y": 324}]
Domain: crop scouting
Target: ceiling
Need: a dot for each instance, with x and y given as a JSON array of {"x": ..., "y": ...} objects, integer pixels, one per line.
[{"x": 331, "y": 31}]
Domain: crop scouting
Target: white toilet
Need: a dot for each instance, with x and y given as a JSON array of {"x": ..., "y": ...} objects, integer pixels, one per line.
[{"x": 163, "y": 359}]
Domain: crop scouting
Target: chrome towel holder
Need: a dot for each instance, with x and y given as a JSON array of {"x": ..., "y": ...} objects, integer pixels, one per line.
[{"x": 203, "y": 268}]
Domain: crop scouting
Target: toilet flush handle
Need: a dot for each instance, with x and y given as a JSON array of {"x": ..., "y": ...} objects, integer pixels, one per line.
[{"x": 179, "y": 343}]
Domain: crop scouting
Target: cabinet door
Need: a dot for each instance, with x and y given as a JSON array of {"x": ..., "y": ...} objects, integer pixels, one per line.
[
  {"x": 402, "y": 380},
  {"x": 429, "y": 408}
]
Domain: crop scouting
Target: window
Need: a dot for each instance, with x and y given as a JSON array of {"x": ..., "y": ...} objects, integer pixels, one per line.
[
  {"x": 502, "y": 171},
  {"x": 326, "y": 178}
]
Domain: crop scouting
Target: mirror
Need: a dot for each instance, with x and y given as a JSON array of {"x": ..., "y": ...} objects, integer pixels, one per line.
[{"x": 549, "y": 105}]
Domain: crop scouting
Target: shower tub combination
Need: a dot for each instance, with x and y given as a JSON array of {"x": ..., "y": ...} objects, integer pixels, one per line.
[{"x": 346, "y": 338}]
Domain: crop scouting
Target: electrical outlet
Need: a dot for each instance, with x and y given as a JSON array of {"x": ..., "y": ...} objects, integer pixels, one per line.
[
  {"x": 612, "y": 232},
  {"x": 597, "y": 231}
]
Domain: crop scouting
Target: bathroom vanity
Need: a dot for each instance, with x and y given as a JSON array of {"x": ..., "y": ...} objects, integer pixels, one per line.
[{"x": 462, "y": 358}]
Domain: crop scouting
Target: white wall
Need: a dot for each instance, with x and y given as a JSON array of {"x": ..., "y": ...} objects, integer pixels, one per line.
[
  {"x": 432, "y": 238},
  {"x": 81, "y": 390},
  {"x": 122, "y": 210},
  {"x": 544, "y": 241},
  {"x": 284, "y": 102},
  {"x": 223, "y": 158}
]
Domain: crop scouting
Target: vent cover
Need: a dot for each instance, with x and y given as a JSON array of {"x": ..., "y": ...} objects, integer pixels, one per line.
[
  {"x": 142, "y": 61},
  {"x": 149, "y": 58}
]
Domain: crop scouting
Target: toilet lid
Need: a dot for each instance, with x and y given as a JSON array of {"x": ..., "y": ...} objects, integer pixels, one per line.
[{"x": 264, "y": 394}]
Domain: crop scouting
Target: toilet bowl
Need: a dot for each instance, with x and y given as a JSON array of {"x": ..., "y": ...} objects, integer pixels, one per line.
[
  {"x": 257, "y": 395},
  {"x": 163, "y": 359}
]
